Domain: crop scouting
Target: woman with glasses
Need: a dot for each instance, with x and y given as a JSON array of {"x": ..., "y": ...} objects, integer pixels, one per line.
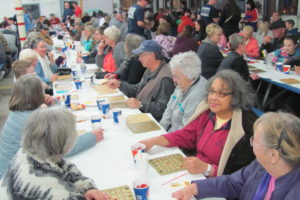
[
  {"x": 275, "y": 174},
  {"x": 219, "y": 130}
]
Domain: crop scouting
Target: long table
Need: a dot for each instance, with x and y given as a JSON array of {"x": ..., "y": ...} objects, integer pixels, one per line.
[
  {"x": 273, "y": 77},
  {"x": 110, "y": 163}
]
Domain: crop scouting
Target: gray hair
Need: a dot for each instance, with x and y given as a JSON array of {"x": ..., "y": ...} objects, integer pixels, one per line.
[
  {"x": 112, "y": 33},
  {"x": 188, "y": 63},
  {"x": 243, "y": 96},
  {"x": 235, "y": 40},
  {"x": 49, "y": 133},
  {"x": 132, "y": 41},
  {"x": 281, "y": 132},
  {"x": 27, "y": 93},
  {"x": 27, "y": 55},
  {"x": 35, "y": 43}
]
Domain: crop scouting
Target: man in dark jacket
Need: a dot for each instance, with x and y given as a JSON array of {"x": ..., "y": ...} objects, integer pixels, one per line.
[
  {"x": 68, "y": 12},
  {"x": 235, "y": 59},
  {"x": 153, "y": 92}
]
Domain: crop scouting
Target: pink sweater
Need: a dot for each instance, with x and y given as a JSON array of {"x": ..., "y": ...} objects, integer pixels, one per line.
[{"x": 200, "y": 134}]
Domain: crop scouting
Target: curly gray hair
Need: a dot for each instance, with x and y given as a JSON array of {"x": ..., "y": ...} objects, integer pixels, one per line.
[
  {"x": 132, "y": 41},
  {"x": 49, "y": 133},
  {"x": 243, "y": 95},
  {"x": 188, "y": 63}
]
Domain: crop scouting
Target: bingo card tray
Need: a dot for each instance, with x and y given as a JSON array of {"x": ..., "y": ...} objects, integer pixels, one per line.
[
  {"x": 256, "y": 70},
  {"x": 68, "y": 86},
  {"x": 121, "y": 104},
  {"x": 168, "y": 164},
  {"x": 104, "y": 89},
  {"x": 290, "y": 81},
  {"x": 251, "y": 67},
  {"x": 113, "y": 98},
  {"x": 65, "y": 77},
  {"x": 120, "y": 193},
  {"x": 141, "y": 123}
]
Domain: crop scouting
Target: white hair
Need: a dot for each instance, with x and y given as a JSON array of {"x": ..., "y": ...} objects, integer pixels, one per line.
[
  {"x": 112, "y": 33},
  {"x": 28, "y": 55},
  {"x": 188, "y": 63}
]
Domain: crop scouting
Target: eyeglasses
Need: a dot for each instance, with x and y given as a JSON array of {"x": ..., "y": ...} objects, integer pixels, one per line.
[{"x": 220, "y": 94}]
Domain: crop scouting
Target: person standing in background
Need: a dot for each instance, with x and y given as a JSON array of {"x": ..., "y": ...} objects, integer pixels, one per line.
[
  {"x": 136, "y": 17},
  {"x": 77, "y": 10},
  {"x": 209, "y": 14},
  {"x": 67, "y": 13}
]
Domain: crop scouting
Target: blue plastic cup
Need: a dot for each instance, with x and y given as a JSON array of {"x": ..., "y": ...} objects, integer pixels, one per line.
[
  {"x": 105, "y": 107},
  {"x": 141, "y": 189},
  {"x": 99, "y": 102},
  {"x": 67, "y": 100},
  {"x": 78, "y": 85}
]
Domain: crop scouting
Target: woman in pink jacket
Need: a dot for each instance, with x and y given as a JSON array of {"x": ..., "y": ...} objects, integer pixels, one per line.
[{"x": 252, "y": 47}]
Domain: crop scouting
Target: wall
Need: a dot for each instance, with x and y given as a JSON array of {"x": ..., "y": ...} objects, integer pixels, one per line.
[{"x": 104, "y": 5}]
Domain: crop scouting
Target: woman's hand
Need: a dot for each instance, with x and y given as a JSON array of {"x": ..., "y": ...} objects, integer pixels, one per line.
[
  {"x": 186, "y": 193},
  {"x": 133, "y": 103},
  {"x": 195, "y": 165},
  {"x": 96, "y": 195},
  {"x": 160, "y": 140},
  {"x": 113, "y": 84},
  {"x": 99, "y": 134}
]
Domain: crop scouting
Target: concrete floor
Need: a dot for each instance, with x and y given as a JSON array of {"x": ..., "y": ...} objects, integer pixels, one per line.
[{"x": 5, "y": 91}]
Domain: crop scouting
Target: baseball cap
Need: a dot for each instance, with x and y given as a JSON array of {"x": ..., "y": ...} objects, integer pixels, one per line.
[
  {"x": 45, "y": 27},
  {"x": 147, "y": 46}
]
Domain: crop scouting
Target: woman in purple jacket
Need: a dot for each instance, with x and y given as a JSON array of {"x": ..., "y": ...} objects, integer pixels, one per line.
[{"x": 275, "y": 174}]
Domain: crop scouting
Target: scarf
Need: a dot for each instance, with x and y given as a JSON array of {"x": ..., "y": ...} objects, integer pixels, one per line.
[{"x": 45, "y": 63}]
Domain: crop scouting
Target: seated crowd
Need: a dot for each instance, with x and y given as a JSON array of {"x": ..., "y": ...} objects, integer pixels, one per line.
[{"x": 173, "y": 65}]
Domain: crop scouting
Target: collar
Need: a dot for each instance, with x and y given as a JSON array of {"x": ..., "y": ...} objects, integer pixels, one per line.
[
  {"x": 156, "y": 71},
  {"x": 207, "y": 40},
  {"x": 189, "y": 89},
  {"x": 213, "y": 118}
]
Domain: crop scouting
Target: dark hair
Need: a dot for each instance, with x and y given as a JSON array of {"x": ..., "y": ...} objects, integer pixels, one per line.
[
  {"x": 252, "y": 4},
  {"x": 291, "y": 22},
  {"x": 232, "y": 6},
  {"x": 187, "y": 32},
  {"x": 291, "y": 37}
]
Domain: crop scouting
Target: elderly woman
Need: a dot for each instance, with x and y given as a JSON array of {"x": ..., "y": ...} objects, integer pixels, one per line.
[
  {"x": 189, "y": 92},
  {"x": 222, "y": 122},
  {"x": 209, "y": 52},
  {"x": 27, "y": 96},
  {"x": 21, "y": 67},
  {"x": 109, "y": 58},
  {"x": 273, "y": 175},
  {"x": 252, "y": 48},
  {"x": 38, "y": 171},
  {"x": 45, "y": 68},
  {"x": 289, "y": 52},
  {"x": 132, "y": 70}
]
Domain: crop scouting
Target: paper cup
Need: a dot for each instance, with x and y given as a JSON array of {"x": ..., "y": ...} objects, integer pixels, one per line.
[
  {"x": 96, "y": 122},
  {"x": 141, "y": 161},
  {"x": 141, "y": 189},
  {"x": 105, "y": 107},
  {"x": 99, "y": 103},
  {"x": 116, "y": 114},
  {"x": 279, "y": 66},
  {"x": 137, "y": 148},
  {"x": 78, "y": 85},
  {"x": 67, "y": 98},
  {"x": 286, "y": 69}
]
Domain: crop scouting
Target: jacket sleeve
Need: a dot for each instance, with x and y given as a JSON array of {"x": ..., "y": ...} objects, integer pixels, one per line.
[
  {"x": 39, "y": 71},
  {"x": 99, "y": 60},
  {"x": 160, "y": 99},
  {"x": 227, "y": 186},
  {"x": 54, "y": 68},
  {"x": 84, "y": 142},
  {"x": 129, "y": 90},
  {"x": 165, "y": 121},
  {"x": 185, "y": 137},
  {"x": 91, "y": 59}
]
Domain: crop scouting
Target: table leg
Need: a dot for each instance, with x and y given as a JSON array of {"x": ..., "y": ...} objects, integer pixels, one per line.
[{"x": 266, "y": 95}]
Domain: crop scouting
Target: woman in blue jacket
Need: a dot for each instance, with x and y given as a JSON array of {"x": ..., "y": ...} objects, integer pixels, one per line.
[{"x": 27, "y": 96}]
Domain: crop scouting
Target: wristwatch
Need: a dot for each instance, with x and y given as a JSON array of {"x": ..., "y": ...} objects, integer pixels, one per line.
[{"x": 207, "y": 172}]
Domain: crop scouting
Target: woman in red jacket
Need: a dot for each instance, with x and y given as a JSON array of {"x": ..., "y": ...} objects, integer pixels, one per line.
[{"x": 252, "y": 48}]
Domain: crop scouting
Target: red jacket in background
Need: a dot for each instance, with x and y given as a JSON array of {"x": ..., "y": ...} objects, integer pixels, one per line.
[
  {"x": 78, "y": 12},
  {"x": 185, "y": 20},
  {"x": 252, "y": 47}
]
